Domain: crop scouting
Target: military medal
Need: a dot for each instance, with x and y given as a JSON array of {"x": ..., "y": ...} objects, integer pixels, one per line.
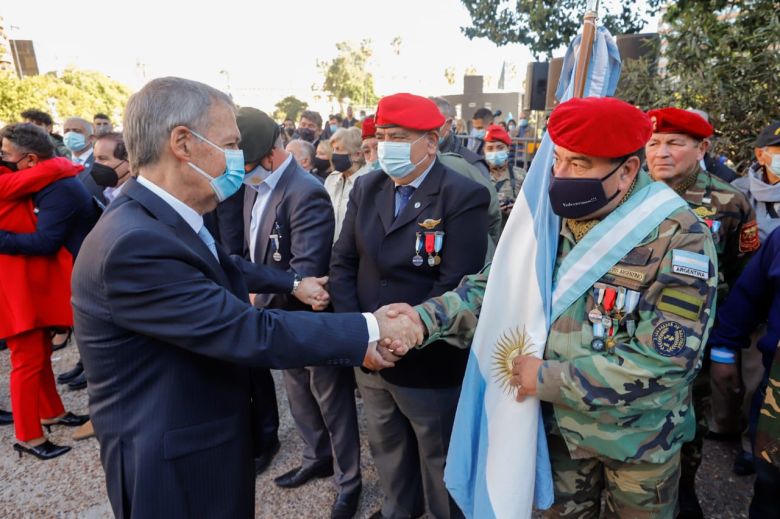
[
  {"x": 594, "y": 316},
  {"x": 437, "y": 245},
  {"x": 430, "y": 246},
  {"x": 277, "y": 256},
  {"x": 621, "y": 299},
  {"x": 417, "y": 260},
  {"x": 631, "y": 327}
]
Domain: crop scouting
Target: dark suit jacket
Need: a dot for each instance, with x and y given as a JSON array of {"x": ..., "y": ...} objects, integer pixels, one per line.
[
  {"x": 66, "y": 214},
  {"x": 372, "y": 265},
  {"x": 167, "y": 335},
  {"x": 302, "y": 209},
  {"x": 89, "y": 182},
  {"x": 226, "y": 223}
]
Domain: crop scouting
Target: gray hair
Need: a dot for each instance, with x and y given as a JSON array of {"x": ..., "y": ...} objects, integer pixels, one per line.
[
  {"x": 306, "y": 148},
  {"x": 444, "y": 106},
  {"x": 159, "y": 107},
  {"x": 84, "y": 124}
]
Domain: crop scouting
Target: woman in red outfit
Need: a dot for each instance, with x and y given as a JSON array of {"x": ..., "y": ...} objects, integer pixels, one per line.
[{"x": 34, "y": 290}]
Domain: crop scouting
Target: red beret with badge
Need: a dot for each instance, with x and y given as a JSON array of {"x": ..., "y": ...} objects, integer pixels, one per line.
[
  {"x": 599, "y": 127},
  {"x": 368, "y": 129},
  {"x": 408, "y": 111},
  {"x": 676, "y": 120},
  {"x": 497, "y": 133}
]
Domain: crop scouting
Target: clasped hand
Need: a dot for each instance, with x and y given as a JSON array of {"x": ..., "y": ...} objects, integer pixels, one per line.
[{"x": 400, "y": 330}]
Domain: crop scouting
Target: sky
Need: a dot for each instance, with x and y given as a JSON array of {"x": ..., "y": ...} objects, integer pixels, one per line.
[{"x": 262, "y": 51}]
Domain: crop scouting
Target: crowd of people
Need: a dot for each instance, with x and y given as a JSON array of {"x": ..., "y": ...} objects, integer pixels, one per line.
[{"x": 187, "y": 252}]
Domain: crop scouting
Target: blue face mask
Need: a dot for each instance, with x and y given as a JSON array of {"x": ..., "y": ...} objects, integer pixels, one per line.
[
  {"x": 479, "y": 134},
  {"x": 333, "y": 128},
  {"x": 396, "y": 158},
  {"x": 74, "y": 141},
  {"x": 226, "y": 184},
  {"x": 497, "y": 158}
]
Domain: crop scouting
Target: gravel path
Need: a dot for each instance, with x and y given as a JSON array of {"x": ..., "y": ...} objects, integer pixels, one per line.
[{"x": 73, "y": 486}]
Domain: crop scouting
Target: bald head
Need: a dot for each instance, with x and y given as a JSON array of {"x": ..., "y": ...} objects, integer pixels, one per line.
[{"x": 303, "y": 152}]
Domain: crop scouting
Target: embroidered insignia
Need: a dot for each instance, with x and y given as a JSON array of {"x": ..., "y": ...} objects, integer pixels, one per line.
[
  {"x": 623, "y": 272},
  {"x": 690, "y": 264},
  {"x": 748, "y": 238},
  {"x": 704, "y": 212},
  {"x": 429, "y": 224},
  {"x": 669, "y": 338},
  {"x": 511, "y": 344},
  {"x": 680, "y": 303}
]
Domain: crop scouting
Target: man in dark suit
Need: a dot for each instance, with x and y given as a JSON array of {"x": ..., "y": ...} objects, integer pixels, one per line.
[
  {"x": 79, "y": 138},
  {"x": 289, "y": 225},
  {"x": 412, "y": 231},
  {"x": 163, "y": 322}
]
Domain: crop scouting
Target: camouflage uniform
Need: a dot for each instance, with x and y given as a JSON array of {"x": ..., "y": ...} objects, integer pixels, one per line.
[
  {"x": 507, "y": 186},
  {"x": 768, "y": 431},
  {"x": 619, "y": 416},
  {"x": 732, "y": 221}
]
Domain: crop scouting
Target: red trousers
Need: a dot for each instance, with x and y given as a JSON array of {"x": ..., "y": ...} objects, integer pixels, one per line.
[{"x": 33, "y": 391}]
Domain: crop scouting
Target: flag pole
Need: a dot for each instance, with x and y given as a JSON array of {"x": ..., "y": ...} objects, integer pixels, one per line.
[{"x": 586, "y": 44}]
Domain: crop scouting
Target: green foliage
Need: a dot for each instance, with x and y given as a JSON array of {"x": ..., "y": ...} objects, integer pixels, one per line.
[
  {"x": 77, "y": 93},
  {"x": 546, "y": 25},
  {"x": 289, "y": 108},
  {"x": 723, "y": 57},
  {"x": 346, "y": 77}
]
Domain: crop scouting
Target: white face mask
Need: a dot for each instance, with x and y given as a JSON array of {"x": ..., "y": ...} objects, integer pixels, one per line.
[{"x": 774, "y": 165}]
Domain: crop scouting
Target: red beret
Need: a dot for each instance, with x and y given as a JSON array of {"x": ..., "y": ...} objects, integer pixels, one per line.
[
  {"x": 408, "y": 111},
  {"x": 497, "y": 132},
  {"x": 676, "y": 120},
  {"x": 369, "y": 128}
]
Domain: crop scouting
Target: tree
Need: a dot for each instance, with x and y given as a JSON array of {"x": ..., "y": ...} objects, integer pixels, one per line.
[
  {"x": 346, "y": 77},
  {"x": 449, "y": 75},
  {"x": 289, "y": 108},
  {"x": 546, "y": 25},
  {"x": 723, "y": 57},
  {"x": 76, "y": 93}
]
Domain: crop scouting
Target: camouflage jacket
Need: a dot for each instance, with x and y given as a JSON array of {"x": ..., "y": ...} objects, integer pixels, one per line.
[
  {"x": 632, "y": 404},
  {"x": 732, "y": 220},
  {"x": 507, "y": 185},
  {"x": 768, "y": 431}
]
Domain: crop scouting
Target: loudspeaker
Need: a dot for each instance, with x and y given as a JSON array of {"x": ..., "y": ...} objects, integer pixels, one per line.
[
  {"x": 635, "y": 46},
  {"x": 553, "y": 76},
  {"x": 535, "y": 86}
]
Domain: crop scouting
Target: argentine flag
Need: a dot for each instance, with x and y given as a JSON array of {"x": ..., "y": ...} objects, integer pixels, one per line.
[{"x": 498, "y": 465}]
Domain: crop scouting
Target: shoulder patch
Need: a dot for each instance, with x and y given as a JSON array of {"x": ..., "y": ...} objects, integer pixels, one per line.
[
  {"x": 669, "y": 338},
  {"x": 690, "y": 263},
  {"x": 680, "y": 303},
  {"x": 748, "y": 237}
]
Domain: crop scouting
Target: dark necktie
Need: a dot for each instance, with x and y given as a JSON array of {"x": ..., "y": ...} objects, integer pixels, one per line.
[{"x": 406, "y": 193}]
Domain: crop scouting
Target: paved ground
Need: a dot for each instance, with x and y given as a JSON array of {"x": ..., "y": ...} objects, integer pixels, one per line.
[{"x": 72, "y": 486}]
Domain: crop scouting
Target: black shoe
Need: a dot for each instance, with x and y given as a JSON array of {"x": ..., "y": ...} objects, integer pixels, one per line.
[
  {"x": 6, "y": 417},
  {"x": 264, "y": 460},
  {"x": 743, "y": 464},
  {"x": 70, "y": 375},
  {"x": 300, "y": 475},
  {"x": 45, "y": 451},
  {"x": 722, "y": 437},
  {"x": 59, "y": 345},
  {"x": 346, "y": 504},
  {"x": 80, "y": 382},
  {"x": 68, "y": 420},
  {"x": 689, "y": 505}
]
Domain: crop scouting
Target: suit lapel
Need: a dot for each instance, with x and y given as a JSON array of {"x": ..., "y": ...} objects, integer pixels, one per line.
[
  {"x": 250, "y": 195},
  {"x": 385, "y": 203},
  {"x": 166, "y": 214},
  {"x": 423, "y": 197},
  {"x": 269, "y": 214}
]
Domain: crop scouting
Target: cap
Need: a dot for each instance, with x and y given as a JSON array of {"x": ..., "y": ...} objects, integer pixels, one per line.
[
  {"x": 496, "y": 133},
  {"x": 408, "y": 111},
  {"x": 769, "y": 136},
  {"x": 369, "y": 127},
  {"x": 599, "y": 127},
  {"x": 258, "y": 133},
  {"x": 677, "y": 120}
]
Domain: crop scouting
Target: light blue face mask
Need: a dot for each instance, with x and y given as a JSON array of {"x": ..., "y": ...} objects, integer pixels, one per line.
[
  {"x": 74, "y": 141},
  {"x": 479, "y": 134},
  {"x": 229, "y": 182},
  {"x": 775, "y": 164},
  {"x": 333, "y": 128},
  {"x": 497, "y": 158},
  {"x": 396, "y": 158}
]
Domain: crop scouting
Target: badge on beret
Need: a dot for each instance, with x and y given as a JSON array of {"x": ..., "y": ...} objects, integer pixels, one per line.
[
  {"x": 669, "y": 338},
  {"x": 429, "y": 224},
  {"x": 748, "y": 238}
]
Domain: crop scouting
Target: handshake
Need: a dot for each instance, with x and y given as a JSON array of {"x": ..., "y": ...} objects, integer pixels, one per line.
[{"x": 400, "y": 330}]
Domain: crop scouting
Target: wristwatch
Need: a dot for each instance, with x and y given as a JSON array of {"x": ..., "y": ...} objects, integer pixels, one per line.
[{"x": 296, "y": 283}]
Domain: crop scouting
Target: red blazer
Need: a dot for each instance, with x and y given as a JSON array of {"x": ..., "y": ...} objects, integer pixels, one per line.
[{"x": 34, "y": 290}]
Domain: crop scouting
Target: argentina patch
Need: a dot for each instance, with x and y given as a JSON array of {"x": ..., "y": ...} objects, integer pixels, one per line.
[
  {"x": 669, "y": 338},
  {"x": 690, "y": 264}
]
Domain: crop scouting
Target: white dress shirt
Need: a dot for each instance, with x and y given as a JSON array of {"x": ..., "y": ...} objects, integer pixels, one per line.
[
  {"x": 83, "y": 157},
  {"x": 338, "y": 188}
]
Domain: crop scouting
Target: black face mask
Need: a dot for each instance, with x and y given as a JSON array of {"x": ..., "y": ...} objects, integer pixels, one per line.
[
  {"x": 306, "y": 134},
  {"x": 321, "y": 165},
  {"x": 13, "y": 166},
  {"x": 341, "y": 162},
  {"x": 289, "y": 131},
  {"x": 576, "y": 198},
  {"x": 104, "y": 176}
]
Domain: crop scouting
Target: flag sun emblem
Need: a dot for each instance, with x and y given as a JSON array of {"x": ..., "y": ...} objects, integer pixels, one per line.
[{"x": 511, "y": 344}]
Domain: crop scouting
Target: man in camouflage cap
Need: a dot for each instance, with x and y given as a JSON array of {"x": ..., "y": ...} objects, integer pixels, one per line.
[
  {"x": 674, "y": 152},
  {"x": 620, "y": 359}
]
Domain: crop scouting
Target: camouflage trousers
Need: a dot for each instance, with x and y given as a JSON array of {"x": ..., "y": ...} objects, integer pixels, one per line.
[
  {"x": 691, "y": 452},
  {"x": 631, "y": 490}
]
